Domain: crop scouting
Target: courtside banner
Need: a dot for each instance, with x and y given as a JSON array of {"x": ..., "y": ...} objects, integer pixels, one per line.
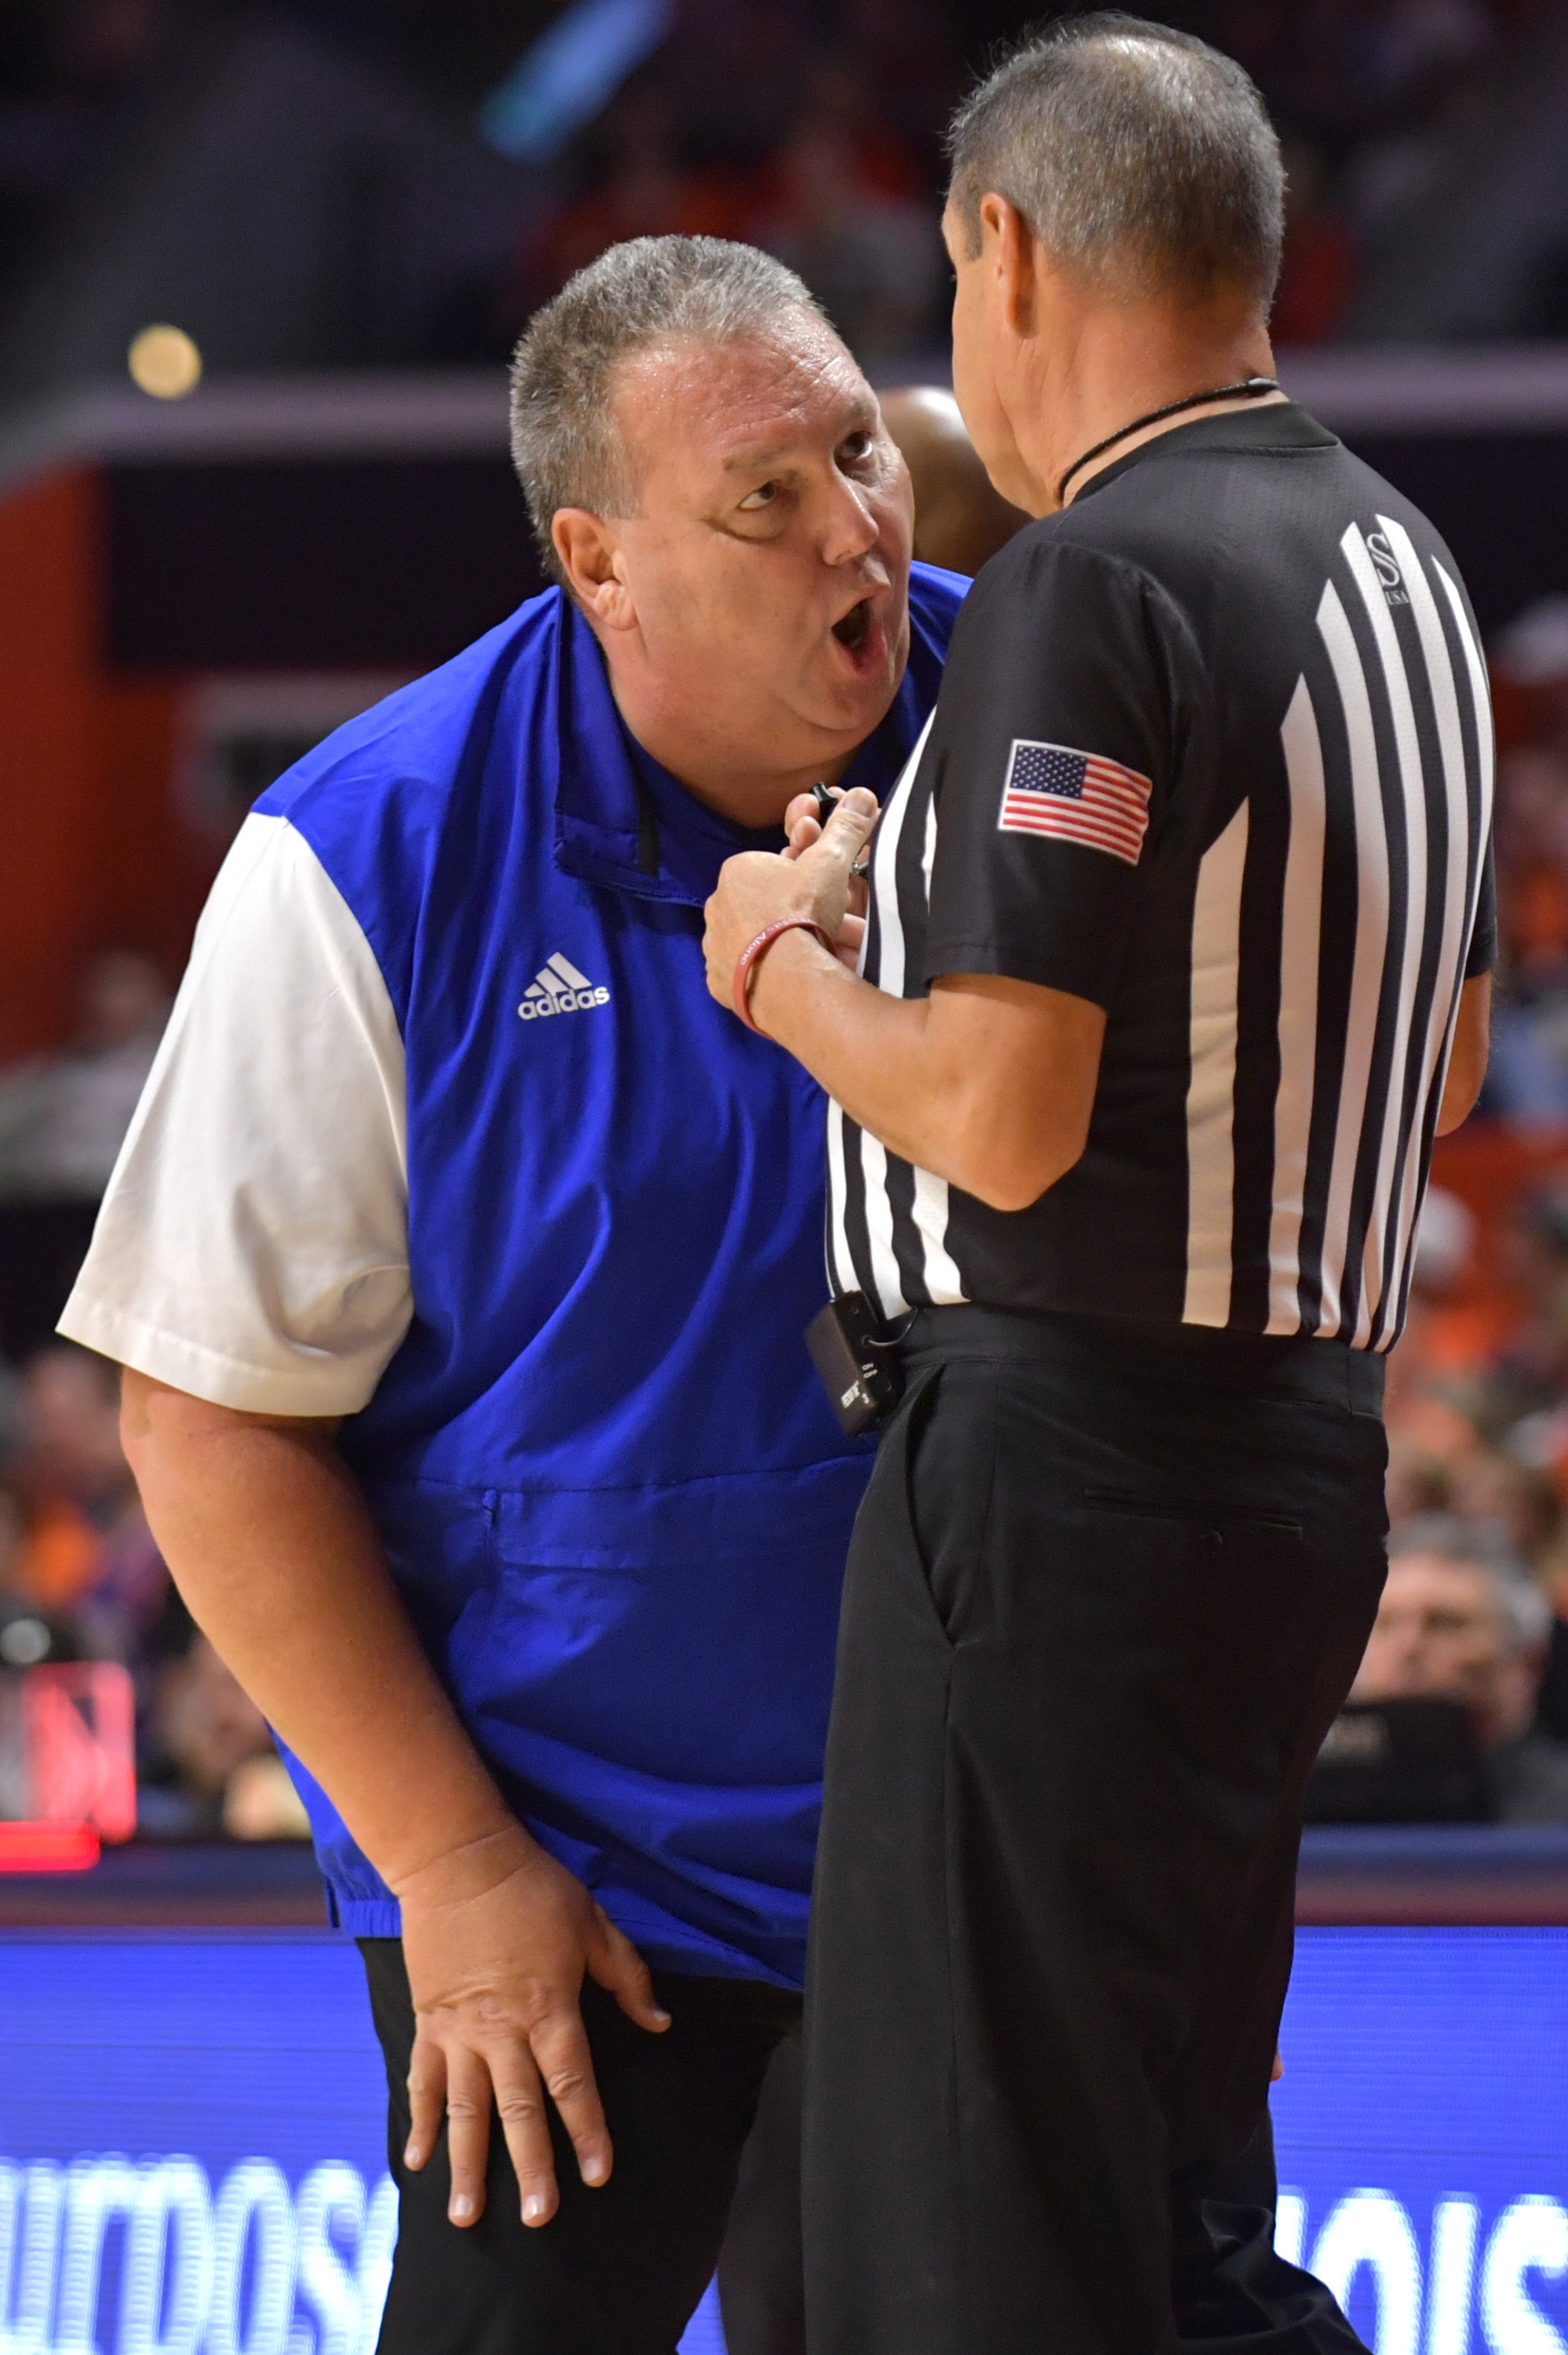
[
  {"x": 193, "y": 2147},
  {"x": 193, "y": 2154},
  {"x": 1422, "y": 2132}
]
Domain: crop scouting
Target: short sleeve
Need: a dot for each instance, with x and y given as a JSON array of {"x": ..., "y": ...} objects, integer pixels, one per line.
[
  {"x": 1053, "y": 748},
  {"x": 252, "y": 1247},
  {"x": 1483, "y": 952}
]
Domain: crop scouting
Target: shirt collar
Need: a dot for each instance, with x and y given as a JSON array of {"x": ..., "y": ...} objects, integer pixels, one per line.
[
  {"x": 623, "y": 820},
  {"x": 1283, "y": 425}
]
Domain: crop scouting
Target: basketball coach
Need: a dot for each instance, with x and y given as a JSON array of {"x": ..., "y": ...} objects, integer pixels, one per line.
[
  {"x": 1177, "y": 949},
  {"x": 460, "y": 1259}
]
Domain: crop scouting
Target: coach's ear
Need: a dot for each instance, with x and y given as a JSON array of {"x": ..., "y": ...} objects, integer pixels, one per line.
[{"x": 591, "y": 556}]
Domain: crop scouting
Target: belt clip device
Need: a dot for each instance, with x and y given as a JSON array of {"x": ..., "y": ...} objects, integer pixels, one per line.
[{"x": 854, "y": 1355}]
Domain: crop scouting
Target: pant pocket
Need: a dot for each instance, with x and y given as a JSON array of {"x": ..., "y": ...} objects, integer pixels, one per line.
[{"x": 948, "y": 1474}]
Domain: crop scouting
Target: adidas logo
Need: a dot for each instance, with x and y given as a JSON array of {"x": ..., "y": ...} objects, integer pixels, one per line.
[{"x": 561, "y": 988}]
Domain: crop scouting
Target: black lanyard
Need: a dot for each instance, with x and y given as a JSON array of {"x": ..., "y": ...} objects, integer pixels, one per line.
[{"x": 1252, "y": 387}]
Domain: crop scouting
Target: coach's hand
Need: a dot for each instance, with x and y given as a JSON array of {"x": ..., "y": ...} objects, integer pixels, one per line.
[
  {"x": 812, "y": 878},
  {"x": 498, "y": 1939}
]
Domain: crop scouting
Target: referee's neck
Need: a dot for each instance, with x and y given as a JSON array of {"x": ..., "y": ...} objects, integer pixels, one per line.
[
  {"x": 1085, "y": 369},
  {"x": 1125, "y": 443}
]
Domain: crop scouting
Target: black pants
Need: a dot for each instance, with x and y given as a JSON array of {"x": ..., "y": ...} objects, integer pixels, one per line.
[
  {"x": 761, "y": 2269},
  {"x": 1105, "y": 1597},
  {"x": 618, "y": 2271}
]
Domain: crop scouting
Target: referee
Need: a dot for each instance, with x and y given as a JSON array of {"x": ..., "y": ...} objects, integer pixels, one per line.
[{"x": 1180, "y": 928}]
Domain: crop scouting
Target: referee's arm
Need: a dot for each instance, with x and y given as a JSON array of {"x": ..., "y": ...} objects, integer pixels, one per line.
[
  {"x": 988, "y": 1082},
  {"x": 1467, "y": 1063}
]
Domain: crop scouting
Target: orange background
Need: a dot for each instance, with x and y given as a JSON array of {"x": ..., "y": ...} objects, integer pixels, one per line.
[{"x": 94, "y": 850}]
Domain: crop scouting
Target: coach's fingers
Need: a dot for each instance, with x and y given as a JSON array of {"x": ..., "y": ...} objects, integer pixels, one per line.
[
  {"x": 426, "y": 2100},
  {"x": 561, "y": 2057},
  {"x": 525, "y": 2124},
  {"x": 846, "y": 948},
  {"x": 468, "y": 2133},
  {"x": 615, "y": 1965}
]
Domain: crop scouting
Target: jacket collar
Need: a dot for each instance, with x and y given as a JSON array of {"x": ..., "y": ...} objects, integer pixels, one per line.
[{"x": 607, "y": 830}]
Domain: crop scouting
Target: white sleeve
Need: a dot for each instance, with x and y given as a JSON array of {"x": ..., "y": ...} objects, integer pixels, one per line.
[{"x": 253, "y": 1244}]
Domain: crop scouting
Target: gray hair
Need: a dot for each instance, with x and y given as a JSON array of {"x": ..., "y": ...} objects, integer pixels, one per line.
[
  {"x": 1141, "y": 158},
  {"x": 565, "y": 438},
  {"x": 1521, "y": 1601}
]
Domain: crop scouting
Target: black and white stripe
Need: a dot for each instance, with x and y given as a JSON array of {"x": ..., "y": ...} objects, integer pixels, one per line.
[{"x": 1331, "y": 919}]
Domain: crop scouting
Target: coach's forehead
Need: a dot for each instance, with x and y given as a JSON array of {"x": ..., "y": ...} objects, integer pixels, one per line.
[{"x": 732, "y": 405}]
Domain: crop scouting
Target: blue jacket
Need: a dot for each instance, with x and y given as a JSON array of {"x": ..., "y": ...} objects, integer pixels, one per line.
[{"x": 611, "y": 1490}]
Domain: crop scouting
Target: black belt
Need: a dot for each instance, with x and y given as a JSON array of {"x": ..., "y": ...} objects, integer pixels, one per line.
[{"x": 1258, "y": 1365}]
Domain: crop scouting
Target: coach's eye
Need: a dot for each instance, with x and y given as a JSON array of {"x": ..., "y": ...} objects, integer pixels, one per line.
[
  {"x": 857, "y": 446},
  {"x": 762, "y": 496}
]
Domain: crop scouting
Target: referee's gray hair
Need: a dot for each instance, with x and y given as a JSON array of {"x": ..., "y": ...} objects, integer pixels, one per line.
[
  {"x": 1141, "y": 158},
  {"x": 566, "y": 444},
  {"x": 1522, "y": 1602}
]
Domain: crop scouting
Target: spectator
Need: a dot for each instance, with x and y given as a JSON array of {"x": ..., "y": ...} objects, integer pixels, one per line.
[
  {"x": 1316, "y": 276},
  {"x": 1463, "y": 1620},
  {"x": 87, "y": 1560},
  {"x": 869, "y": 252},
  {"x": 1429, "y": 1402},
  {"x": 1553, "y": 1711},
  {"x": 28, "y": 1636},
  {"x": 1528, "y": 1080},
  {"x": 210, "y": 1767},
  {"x": 647, "y": 191},
  {"x": 1520, "y": 1500},
  {"x": 70, "y": 70},
  {"x": 63, "y": 1118},
  {"x": 1526, "y": 1386}
]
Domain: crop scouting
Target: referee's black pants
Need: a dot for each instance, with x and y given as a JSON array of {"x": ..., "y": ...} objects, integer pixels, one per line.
[{"x": 1107, "y": 1592}]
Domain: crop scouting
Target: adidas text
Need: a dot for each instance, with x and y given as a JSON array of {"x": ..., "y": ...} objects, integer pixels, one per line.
[{"x": 561, "y": 988}]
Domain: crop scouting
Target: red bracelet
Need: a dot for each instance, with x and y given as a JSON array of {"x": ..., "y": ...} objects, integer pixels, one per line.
[{"x": 755, "y": 948}]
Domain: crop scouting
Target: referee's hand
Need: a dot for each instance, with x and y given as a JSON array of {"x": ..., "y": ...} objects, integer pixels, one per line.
[{"x": 497, "y": 1939}]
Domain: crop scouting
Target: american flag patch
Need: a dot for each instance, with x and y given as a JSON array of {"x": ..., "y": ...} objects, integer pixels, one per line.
[{"x": 1076, "y": 797}]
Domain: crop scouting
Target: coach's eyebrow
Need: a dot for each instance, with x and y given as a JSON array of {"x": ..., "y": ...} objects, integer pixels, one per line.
[
  {"x": 745, "y": 461},
  {"x": 768, "y": 454}
]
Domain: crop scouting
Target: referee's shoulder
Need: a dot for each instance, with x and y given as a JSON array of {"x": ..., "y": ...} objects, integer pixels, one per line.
[{"x": 1070, "y": 554}]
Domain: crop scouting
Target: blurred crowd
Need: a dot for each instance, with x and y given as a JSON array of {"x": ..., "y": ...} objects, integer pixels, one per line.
[
  {"x": 80, "y": 1578},
  {"x": 1527, "y": 1086},
  {"x": 810, "y": 128},
  {"x": 1361, "y": 94},
  {"x": 826, "y": 147},
  {"x": 1476, "y": 1613},
  {"x": 1474, "y": 1618},
  {"x": 825, "y": 151}
]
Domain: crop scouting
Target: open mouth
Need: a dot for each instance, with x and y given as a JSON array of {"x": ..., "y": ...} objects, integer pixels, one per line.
[{"x": 854, "y": 628}]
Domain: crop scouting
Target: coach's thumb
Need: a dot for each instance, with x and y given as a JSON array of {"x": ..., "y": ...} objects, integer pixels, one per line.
[{"x": 614, "y": 1962}]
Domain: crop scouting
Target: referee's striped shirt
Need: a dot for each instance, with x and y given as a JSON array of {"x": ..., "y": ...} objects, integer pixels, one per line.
[{"x": 1215, "y": 752}]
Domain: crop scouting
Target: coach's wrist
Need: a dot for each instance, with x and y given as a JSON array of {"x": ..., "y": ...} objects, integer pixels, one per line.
[{"x": 470, "y": 1866}]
